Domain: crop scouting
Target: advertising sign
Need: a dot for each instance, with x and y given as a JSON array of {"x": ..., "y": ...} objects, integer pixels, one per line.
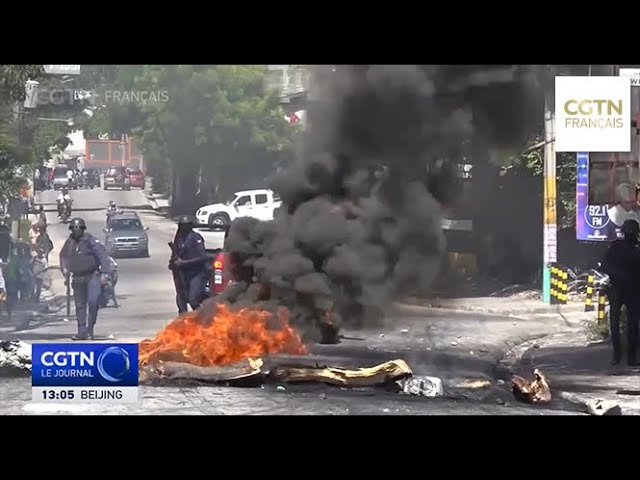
[
  {"x": 599, "y": 223},
  {"x": 62, "y": 69}
]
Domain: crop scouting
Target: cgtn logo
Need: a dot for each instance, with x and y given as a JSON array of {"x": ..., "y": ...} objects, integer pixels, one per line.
[
  {"x": 85, "y": 372},
  {"x": 593, "y": 114}
]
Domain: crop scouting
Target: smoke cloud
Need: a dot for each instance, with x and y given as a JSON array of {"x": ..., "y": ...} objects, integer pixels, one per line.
[{"x": 360, "y": 225}]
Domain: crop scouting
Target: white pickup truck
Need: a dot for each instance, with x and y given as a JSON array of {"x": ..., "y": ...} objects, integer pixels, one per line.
[{"x": 259, "y": 204}]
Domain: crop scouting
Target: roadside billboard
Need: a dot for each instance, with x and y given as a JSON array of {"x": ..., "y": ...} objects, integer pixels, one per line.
[{"x": 598, "y": 219}]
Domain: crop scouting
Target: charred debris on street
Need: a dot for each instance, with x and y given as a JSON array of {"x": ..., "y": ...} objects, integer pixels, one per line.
[{"x": 361, "y": 217}]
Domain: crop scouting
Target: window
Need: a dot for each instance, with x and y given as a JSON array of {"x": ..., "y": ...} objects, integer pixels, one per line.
[
  {"x": 243, "y": 201},
  {"x": 261, "y": 199},
  {"x": 127, "y": 225}
]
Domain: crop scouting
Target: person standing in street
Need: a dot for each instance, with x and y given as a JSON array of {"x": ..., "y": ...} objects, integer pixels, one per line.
[
  {"x": 84, "y": 257},
  {"x": 42, "y": 217},
  {"x": 44, "y": 242},
  {"x": 622, "y": 264},
  {"x": 189, "y": 265}
]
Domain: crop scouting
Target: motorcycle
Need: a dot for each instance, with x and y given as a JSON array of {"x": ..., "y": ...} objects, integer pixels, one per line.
[{"x": 66, "y": 212}]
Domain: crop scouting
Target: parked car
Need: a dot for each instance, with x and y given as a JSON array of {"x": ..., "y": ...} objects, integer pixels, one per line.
[
  {"x": 117, "y": 177},
  {"x": 60, "y": 178},
  {"x": 136, "y": 178},
  {"x": 93, "y": 177},
  {"x": 214, "y": 238},
  {"x": 259, "y": 204},
  {"x": 125, "y": 234}
]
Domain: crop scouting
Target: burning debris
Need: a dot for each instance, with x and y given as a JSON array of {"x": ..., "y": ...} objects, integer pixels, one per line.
[
  {"x": 15, "y": 358},
  {"x": 360, "y": 223},
  {"x": 536, "y": 392},
  {"x": 222, "y": 336}
]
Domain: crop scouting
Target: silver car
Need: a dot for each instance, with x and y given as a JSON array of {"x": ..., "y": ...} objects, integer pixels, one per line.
[{"x": 125, "y": 235}]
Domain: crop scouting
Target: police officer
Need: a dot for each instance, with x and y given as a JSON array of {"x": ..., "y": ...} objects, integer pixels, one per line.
[
  {"x": 622, "y": 264},
  {"x": 86, "y": 259},
  {"x": 189, "y": 265}
]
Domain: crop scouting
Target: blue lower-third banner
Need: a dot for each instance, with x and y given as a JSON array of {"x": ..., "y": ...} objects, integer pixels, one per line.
[{"x": 85, "y": 372}]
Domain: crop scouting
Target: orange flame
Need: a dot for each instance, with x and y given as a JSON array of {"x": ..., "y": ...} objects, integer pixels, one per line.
[{"x": 229, "y": 337}]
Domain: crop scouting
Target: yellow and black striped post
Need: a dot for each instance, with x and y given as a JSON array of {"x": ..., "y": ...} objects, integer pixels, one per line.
[
  {"x": 563, "y": 287},
  {"x": 559, "y": 286},
  {"x": 602, "y": 303},
  {"x": 554, "y": 284},
  {"x": 588, "y": 301}
]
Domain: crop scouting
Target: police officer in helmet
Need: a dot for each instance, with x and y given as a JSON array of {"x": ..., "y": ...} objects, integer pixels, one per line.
[
  {"x": 189, "y": 265},
  {"x": 86, "y": 259},
  {"x": 622, "y": 264}
]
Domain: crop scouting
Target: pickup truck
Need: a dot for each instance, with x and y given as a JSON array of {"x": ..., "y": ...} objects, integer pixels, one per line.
[{"x": 259, "y": 204}]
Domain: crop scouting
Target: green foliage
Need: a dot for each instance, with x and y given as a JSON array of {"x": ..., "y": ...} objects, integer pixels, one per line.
[
  {"x": 213, "y": 122},
  {"x": 13, "y": 79}
]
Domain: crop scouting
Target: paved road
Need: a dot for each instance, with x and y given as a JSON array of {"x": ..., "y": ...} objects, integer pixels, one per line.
[
  {"x": 452, "y": 346},
  {"x": 15, "y": 399},
  {"x": 145, "y": 290}
]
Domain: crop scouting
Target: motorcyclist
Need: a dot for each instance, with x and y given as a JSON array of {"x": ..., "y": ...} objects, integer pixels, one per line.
[
  {"x": 86, "y": 258},
  {"x": 64, "y": 201},
  {"x": 622, "y": 264},
  {"x": 189, "y": 265},
  {"x": 112, "y": 208}
]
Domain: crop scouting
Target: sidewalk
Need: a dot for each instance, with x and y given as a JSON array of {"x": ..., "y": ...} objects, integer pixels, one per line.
[{"x": 157, "y": 201}]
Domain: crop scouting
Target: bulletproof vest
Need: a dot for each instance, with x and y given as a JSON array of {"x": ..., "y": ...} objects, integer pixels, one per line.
[
  {"x": 81, "y": 259},
  {"x": 186, "y": 250}
]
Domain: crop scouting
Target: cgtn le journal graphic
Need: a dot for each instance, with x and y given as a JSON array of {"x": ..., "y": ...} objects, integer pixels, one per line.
[
  {"x": 84, "y": 372},
  {"x": 593, "y": 114}
]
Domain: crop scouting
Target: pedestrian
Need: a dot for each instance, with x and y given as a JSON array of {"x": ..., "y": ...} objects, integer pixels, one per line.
[
  {"x": 34, "y": 233},
  {"x": 42, "y": 216},
  {"x": 44, "y": 242},
  {"x": 39, "y": 267},
  {"x": 3, "y": 286},
  {"x": 622, "y": 264},
  {"x": 189, "y": 265},
  {"x": 84, "y": 257}
]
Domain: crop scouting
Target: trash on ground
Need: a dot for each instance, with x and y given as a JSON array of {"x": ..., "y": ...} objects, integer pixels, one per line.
[
  {"x": 405, "y": 330},
  {"x": 422, "y": 386},
  {"x": 163, "y": 371},
  {"x": 536, "y": 392},
  {"x": 15, "y": 357},
  {"x": 474, "y": 383},
  {"x": 280, "y": 388},
  {"x": 500, "y": 382},
  {"x": 453, "y": 344},
  {"x": 361, "y": 377},
  {"x": 382, "y": 335},
  {"x": 593, "y": 406}
]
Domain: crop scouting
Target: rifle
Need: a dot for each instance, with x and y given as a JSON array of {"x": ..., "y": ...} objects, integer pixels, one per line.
[
  {"x": 68, "y": 285},
  {"x": 178, "y": 281}
]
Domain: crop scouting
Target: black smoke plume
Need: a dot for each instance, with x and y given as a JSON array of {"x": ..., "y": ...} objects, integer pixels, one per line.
[{"x": 360, "y": 222}]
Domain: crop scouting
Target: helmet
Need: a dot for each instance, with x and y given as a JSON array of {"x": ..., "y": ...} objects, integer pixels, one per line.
[
  {"x": 112, "y": 203},
  {"x": 630, "y": 228},
  {"x": 64, "y": 190},
  {"x": 185, "y": 220},
  {"x": 77, "y": 223}
]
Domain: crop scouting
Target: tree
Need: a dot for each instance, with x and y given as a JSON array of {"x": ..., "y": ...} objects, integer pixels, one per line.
[{"x": 212, "y": 128}]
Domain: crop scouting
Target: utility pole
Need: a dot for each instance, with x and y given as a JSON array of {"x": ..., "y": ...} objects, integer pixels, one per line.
[{"x": 550, "y": 232}]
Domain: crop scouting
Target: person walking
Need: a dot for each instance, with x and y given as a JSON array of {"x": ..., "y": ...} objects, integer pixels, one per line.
[
  {"x": 622, "y": 264},
  {"x": 84, "y": 257}
]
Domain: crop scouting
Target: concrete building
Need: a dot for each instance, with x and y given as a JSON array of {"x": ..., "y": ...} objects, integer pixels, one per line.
[{"x": 292, "y": 83}]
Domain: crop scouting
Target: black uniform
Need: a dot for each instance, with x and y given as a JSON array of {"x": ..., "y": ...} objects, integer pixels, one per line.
[
  {"x": 622, "y": 264},
  {"x": 189, "y": 265},
  {"x": 86, "y": 259}
]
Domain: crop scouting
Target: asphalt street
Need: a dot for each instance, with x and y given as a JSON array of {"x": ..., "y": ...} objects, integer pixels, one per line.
[{"x": 453, "y": 346}]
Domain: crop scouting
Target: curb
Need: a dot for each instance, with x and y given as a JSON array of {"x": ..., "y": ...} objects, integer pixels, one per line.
[{"x": 499, "y": 311}]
